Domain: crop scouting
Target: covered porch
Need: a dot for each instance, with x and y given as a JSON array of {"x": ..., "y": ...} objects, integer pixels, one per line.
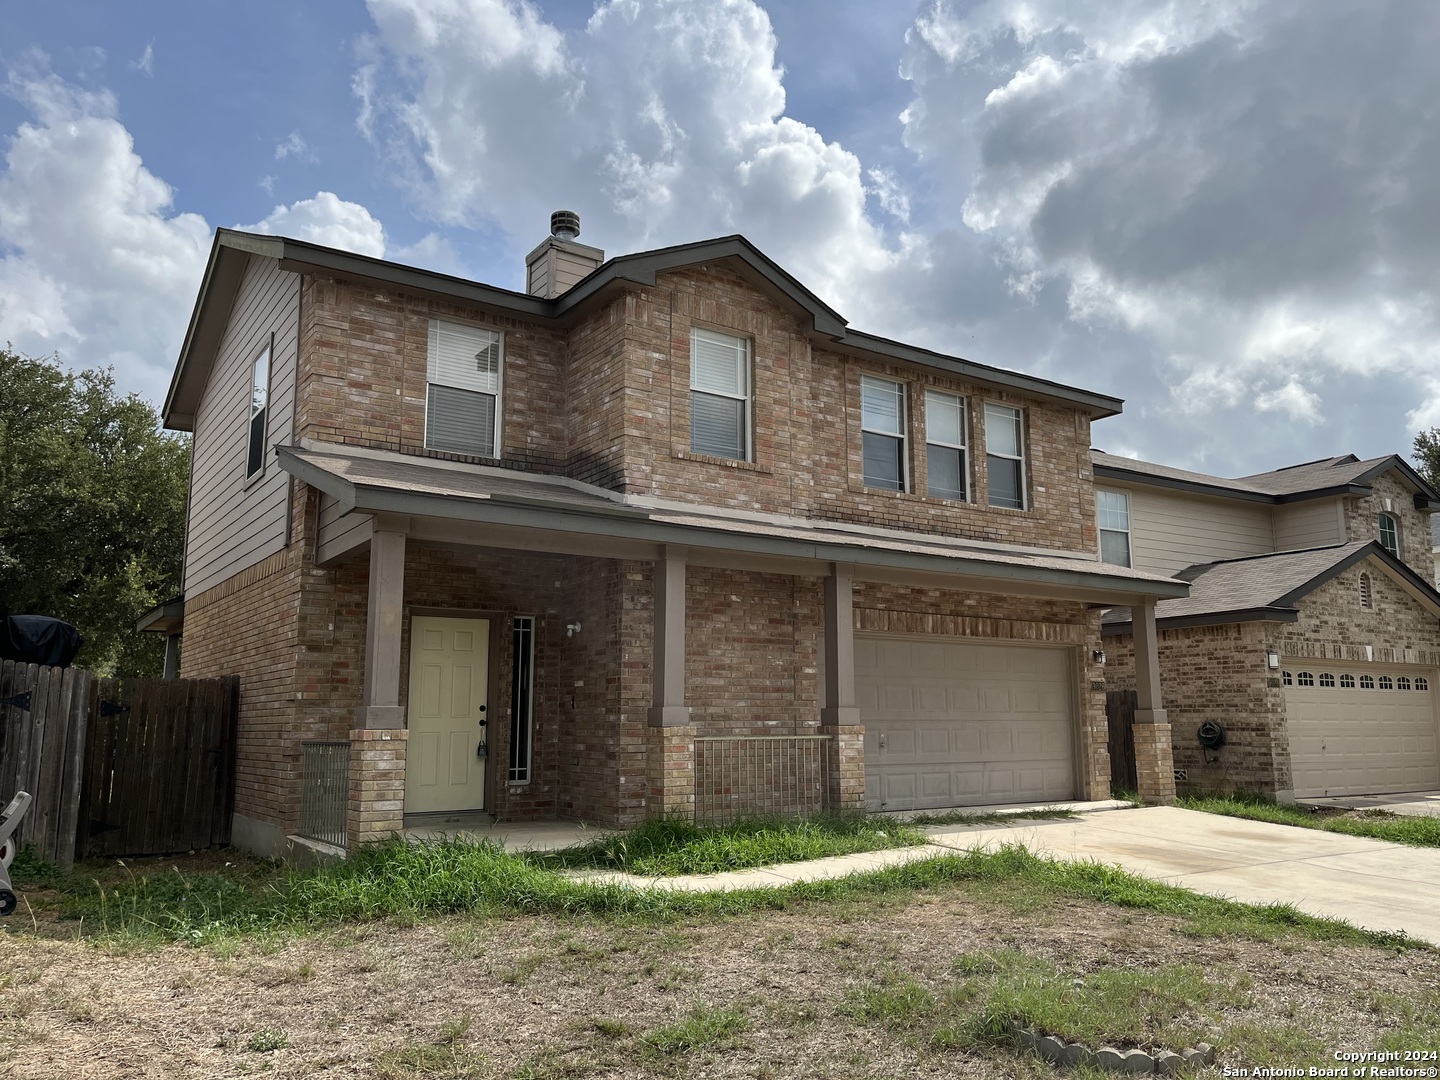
[{"x": 680, "y": 660}]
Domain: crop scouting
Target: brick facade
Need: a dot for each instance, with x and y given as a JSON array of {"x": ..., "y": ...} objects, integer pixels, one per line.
[{"x": 1362, "y": 522}]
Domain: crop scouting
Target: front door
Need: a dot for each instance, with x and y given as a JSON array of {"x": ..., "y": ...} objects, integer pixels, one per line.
[{"x": 445, "y": 765}]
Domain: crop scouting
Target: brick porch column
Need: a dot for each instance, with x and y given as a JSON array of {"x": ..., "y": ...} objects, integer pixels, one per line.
[
  {"x": 839, "y": 713},
  {"x": 670, "y": 740},
  {"x": 1154, "y": 758},
  {"x": 377, "y": 785}
]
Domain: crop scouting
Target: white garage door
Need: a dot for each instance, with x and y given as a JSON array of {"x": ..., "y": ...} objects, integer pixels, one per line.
[
  {"x": 1360, "y": 731},
  {"x": 951, "y": 723}
]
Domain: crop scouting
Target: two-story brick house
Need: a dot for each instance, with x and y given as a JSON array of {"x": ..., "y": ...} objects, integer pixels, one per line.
[
  {"x": 1312, "y": 630},
  {"x": 661, "y": 535}
]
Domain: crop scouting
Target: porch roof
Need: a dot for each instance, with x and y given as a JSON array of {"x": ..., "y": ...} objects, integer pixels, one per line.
[{"x": 381, "y": 482}]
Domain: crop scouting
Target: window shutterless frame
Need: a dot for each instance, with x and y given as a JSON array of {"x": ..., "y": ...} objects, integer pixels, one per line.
[
  {"x": 1112, "y": 515},
  {"x": 1390, "y": 534},
  {"x": 465, "y": 371},
  {"x": 1005, "y": 455},
  {"x": 720, "y": 397},
  {"x": 882, "y": 433},
  {"x": 259, "y": 401},
  {"x": 947, "y": 456}
]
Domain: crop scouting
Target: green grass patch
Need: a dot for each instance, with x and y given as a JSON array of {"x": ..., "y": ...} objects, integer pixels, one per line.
[
  {"x": 702, "y": 1029},
  {"x": 671, "y": 847},
  {"x": 1376, "y": 824},
  {"x": 406, "y": 882}
]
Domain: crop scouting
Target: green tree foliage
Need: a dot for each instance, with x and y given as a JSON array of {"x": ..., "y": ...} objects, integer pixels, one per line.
[
  {"x": 1426, "y": 455},
  {"x": 92, "y": 508}
]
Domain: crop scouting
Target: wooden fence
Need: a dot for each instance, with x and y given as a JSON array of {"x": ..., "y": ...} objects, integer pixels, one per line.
[
  {"x": 43, "y": 716},
  {"x": 117, "y": 767},
  {"x": 1120, "y": 711}
]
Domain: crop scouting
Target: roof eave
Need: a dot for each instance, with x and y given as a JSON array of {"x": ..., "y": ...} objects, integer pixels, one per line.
[
  {"x": 1112, "y": 472},
  {"x": 1210, "y": 618}
]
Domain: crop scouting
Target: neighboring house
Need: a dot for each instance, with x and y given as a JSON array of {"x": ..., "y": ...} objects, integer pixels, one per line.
[
  {"x": 1310, "y": 632},
  {"x": 662, "y": 535}
]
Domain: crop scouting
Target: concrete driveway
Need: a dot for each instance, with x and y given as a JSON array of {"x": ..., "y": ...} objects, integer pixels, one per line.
[
  {"x": 1369, "y": 883},
  {"x": 1410, "y": 804}
]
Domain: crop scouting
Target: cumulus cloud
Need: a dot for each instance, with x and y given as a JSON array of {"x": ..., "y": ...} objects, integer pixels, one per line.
[
  {"x": 659, "y": 122},
  {"x": 326, "y": 219},
  {"x": 1243, "y": 192}
]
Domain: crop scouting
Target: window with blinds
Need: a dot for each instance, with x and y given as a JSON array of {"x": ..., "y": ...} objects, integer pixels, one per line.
[
  {"x": 946, "y": 461},
  {"x": 882, "y": 433},
  {"x": 1005, "y": 456},
  {"x": 719, "y": 394},
  {"x": 462, "y": 401}
]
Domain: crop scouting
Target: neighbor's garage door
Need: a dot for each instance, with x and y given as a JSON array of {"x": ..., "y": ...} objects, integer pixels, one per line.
[
  {"x": 951, "y": 723},
  {"x": 1359, "y": 732}
]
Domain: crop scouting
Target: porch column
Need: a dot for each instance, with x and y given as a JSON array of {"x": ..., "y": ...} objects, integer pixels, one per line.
[
  {"x": 670, "y": 740},
  {"x": 381, "y": 706},
  {"x": 1154, "y": 757},
  {"x": 839, "y": 712},
  {"x": 172, "y": 657},
  {"x": 379, "y": 740}
]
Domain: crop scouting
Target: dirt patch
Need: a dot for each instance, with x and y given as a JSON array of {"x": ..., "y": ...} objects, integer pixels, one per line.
[{"x": 542, "y": 997}]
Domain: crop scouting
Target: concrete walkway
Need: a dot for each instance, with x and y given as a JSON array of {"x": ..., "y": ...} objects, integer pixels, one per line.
[
  {"x": 1410, "y": 804},
  {"x": 1370, "y": 883}
]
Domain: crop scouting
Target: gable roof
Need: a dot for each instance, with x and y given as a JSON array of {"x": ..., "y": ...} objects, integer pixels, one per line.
[
  {"x": 1343, "y": 475},
  {"x": 1268, "y": 587},
  {"x": 232, "y": 250}
]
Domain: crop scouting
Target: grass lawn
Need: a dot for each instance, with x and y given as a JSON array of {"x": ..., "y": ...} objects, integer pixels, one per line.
[
  {"x": 1378, "y": 824},
  {"x": 458, "y": 960}
]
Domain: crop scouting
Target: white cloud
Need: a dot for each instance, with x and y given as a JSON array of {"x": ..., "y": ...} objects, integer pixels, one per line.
[
  {"x": 293, "y": 145},
  {"x": 326, "y": 219},
  {"x": 1292, "y": 399},
  {"x": 146, "y": 64}
]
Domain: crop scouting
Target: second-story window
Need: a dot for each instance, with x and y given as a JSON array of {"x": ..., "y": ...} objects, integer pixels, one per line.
[
  {"x": 1005, "y": 456},
  {"x": 882, "y": 432},
  {"x": 947, "y": 466},
  {"x": 719, "y": 394},
  {"x": 1390, "y": 534},
  {"x": 259, "y": 398},
  {"x": 462, "y": 400},
  {"x": 1112, "y": 513}
]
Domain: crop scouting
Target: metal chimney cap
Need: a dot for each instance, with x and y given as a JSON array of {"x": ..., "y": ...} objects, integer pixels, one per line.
[{"x": 565, "y": 224}]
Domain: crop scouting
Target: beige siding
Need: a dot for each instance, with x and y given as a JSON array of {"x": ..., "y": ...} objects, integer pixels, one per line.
[
  {"x": 1170, "y": 531},
  {"x": 234, "y": 524},
  {"x": 1308, "y": 525},
  {"x": 340, "y": 534}
]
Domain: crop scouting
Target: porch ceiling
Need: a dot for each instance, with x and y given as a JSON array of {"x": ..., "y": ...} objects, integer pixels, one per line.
[{"x": 464, "y": 503}]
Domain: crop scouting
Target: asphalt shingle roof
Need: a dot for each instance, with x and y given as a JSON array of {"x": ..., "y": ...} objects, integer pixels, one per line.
[{"x": 1294, "y": 480}]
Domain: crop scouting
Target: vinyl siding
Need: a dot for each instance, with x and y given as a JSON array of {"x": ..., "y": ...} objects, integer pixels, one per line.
[
  {"x": 1170, "y": 531},
  {"x": 1308, "y": 525},
  {"x": 233, "y": 525},
  {"x": 338, "y": 534}
]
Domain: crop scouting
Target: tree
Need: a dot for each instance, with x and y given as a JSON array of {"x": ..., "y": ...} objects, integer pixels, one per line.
[
  {"x": 92, "y": 508},
  {"x": 1427, "y": 455}
]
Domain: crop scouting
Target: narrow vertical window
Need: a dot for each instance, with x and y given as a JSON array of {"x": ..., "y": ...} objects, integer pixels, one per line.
[
  {"x": 522, "y": 699},
  {"x": 947, "y": 465},
  {"x": 462, "y": 414},
  {"x": 719, "y": 394},
  {"x": 1390, "y": 534},
  {"x": 1005, "y": 456},
  {"x": 882, "y": 432},
  {"x": 1366, "y": 596},
  {"x": 1112, "y": 513},
  {"x": 259, "y": 398}
]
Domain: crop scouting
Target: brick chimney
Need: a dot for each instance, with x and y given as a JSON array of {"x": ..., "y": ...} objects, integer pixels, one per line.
[{"x": 559, "y": 262}]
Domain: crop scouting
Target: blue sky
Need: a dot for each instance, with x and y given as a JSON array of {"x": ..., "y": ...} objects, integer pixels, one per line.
[{"x": 1228, "y": 214}]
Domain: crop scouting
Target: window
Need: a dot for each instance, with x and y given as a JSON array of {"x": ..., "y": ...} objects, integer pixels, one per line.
[
  {"x": 1305, "y": 678},
  {"x": 522, "y": 698},
  {"x": 1112, "y": 510},
  {"x": 1367, "y": 683},
  {"x": 1402, "y": 683},
  {"x": 259, "y": 397},
  {"x": 882, "y": 432},
  {"x": 1286, "y": 678},
  {"x": 946, "y": 461},
  {"x": 1005, "y": 456},
  {"x": 461, "y": 402},
  {"x": 1390, "y": 534},
  {"x": 1327, "y": 679},
  {"x": 1367, "y": 598},
  {"x": 1422, "y": 683},
  {"x": 719, "y": 394},
  {"x": 1386, "y": 683},
  {"x": 1347, "y": 682}
]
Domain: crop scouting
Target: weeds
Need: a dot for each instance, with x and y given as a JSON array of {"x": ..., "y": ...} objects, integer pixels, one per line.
[{"x": 1376, "y": 824}]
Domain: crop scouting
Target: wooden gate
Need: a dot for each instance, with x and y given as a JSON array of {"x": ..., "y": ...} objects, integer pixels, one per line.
[
  {"x": 1120, "y": 711},
  {"x": 43, "y": 716},
  {"x": 159, "y": 767}
]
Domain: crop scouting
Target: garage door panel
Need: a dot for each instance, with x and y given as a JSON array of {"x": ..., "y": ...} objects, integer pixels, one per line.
[
  {"x": 1346, "y": 741},
  {"x": 951, "y": 723}
]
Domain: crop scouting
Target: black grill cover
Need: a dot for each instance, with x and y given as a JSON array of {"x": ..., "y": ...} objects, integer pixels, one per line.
[{"x": 39, "y": 639}]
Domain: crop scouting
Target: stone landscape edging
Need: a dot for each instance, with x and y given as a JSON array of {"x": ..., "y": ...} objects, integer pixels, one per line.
[{"x": 1130, "y": 1062}]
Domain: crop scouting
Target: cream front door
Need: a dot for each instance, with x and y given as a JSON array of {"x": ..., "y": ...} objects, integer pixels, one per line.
[{"x": 448, "y": 680}]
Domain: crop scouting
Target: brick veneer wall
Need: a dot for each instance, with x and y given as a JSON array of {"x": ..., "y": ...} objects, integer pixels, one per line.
[
  {"x": 1362, "y": 522},
  {"x": 1333, "y": 625}
]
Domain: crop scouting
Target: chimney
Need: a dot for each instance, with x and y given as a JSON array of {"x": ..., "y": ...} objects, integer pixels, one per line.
[{"x": 559, "y": 262}]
